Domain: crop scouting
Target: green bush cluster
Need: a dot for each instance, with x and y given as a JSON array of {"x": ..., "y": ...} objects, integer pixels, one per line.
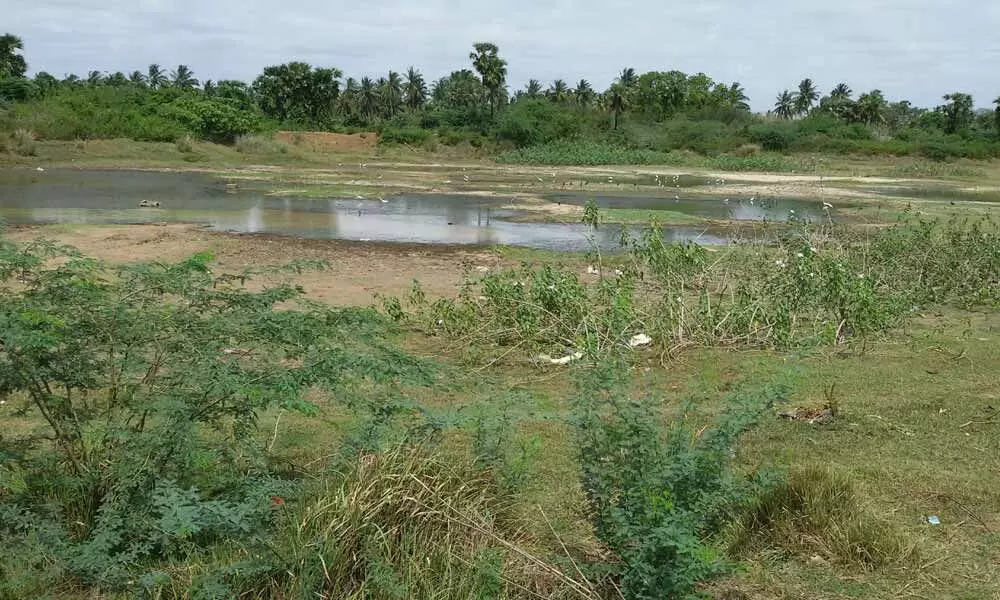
[{"x": 145, "y": 115}]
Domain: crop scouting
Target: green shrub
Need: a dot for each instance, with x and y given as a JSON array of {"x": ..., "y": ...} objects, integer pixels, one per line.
[
  {"x": 659, "y": 499},
  {"x": 215, "y": 120},
  {"x": 771, "y": 138},
  {"x": 147, "y": 382},
  {"x": 535, "y": 122},
  {"x": 409, "y": 136}
]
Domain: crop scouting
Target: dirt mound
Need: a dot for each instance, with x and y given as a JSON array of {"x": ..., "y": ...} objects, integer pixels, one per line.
[{"x": 329, "y": 142}]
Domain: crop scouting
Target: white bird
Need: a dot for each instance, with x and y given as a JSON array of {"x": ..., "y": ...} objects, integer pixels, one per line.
[
  {"x": 726, "y": 201},
  {"x": 827, "y": 206},
  {"x": 40, "y": 170},
  {"x": 466, "y": 178},
  {"x": 539, "y": 178},
  {"x": 383, "y": 200}
]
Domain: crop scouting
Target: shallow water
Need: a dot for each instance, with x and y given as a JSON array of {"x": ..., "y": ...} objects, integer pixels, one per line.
[
  {"x": 68, "y": 196},
  {"x": 735, "y": 208}
]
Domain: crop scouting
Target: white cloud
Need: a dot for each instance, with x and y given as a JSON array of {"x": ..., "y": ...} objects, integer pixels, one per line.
[{"x": 914, "y": 49}]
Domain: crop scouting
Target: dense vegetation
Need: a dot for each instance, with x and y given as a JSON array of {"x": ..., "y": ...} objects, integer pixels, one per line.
[
  {"x": 139, "y": 467},
  {"x": 638, "y": 118}
]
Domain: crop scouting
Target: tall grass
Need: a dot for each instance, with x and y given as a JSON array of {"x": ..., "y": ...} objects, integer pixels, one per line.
[
  {"x": 398, "y": 524},
  {"x": 808, "y": 285}
]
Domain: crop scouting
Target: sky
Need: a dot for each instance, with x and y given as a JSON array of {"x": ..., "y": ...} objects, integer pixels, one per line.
[{"x": 910, "y": 49}]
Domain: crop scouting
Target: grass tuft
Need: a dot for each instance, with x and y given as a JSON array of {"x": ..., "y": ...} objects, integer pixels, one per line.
[{"x": 817, "y": 511}]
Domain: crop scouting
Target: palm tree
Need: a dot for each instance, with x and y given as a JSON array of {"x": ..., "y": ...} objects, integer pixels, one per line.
[
  {"x": 367, "y": 98},
  {"x": 785, "y": 106},
  {"x": 183, "y": 78},
  {"x": 806, "y": 96},
  {"x": 137, "y": 79},
  {"x": 871, "y": 107},
  {"x": 117, "y": 79},
  {"x": 628, "y": 78},
  {"x": 392, "y": 93},
  {"x": 584, "y": 93},
  {"x": 492, "y": 70},
  {"x": 95, "y": 78},
  {"x": 533, "y": 89},
  {"x": 156, "y": 77},
  {"x": 347, "y": 102},
  {"x": 841, "y": 92},
  {"x": 558, "y": 92},
  {"x": 737, "y": 97},
  {"x": 415, "y": 90},
  {"x": 208, "y": 87},
  {"x": 617, "y": 100},
  {"x": 12, "y": 63}
]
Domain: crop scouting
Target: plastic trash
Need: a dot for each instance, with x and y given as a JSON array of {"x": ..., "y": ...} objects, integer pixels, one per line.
[
  {"x": 934, "y": 520},
  {"x": 640, "y": 339},
  {"x": 592, "y": 270},
  {"x": 560, "y": 361}
]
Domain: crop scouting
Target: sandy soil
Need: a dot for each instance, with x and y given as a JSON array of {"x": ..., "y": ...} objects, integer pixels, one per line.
[{"x": 357, "y": 270}]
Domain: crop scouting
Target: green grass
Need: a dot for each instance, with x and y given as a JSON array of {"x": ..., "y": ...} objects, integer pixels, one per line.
[{"x": 896, "y": 453}]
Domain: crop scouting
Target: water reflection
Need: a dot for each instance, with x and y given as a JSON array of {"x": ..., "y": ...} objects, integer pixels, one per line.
[{"x": 113, "y": 197}]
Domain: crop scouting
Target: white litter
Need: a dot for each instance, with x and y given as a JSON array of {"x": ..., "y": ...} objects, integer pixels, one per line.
[
  {"x": 592, "y": 270},
  {"x": 560, "y": 361},
  {"x": 482, "y": 269},
  {"x": 640, "y": 339}
]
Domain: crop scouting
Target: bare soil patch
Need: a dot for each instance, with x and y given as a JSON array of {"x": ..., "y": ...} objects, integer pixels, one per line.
[{"x": 357, "y": 270}]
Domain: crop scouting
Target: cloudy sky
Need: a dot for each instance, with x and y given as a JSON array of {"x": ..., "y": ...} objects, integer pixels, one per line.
[{"x": 913, "y": 49}]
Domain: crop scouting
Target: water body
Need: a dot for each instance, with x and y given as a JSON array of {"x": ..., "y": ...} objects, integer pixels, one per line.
[
  {"x": 738, "y": 208},
  {"x": 113, "y": 197}
]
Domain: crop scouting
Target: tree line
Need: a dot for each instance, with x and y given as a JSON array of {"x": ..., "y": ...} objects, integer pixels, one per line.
[{"x": 476, "y": 103}]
